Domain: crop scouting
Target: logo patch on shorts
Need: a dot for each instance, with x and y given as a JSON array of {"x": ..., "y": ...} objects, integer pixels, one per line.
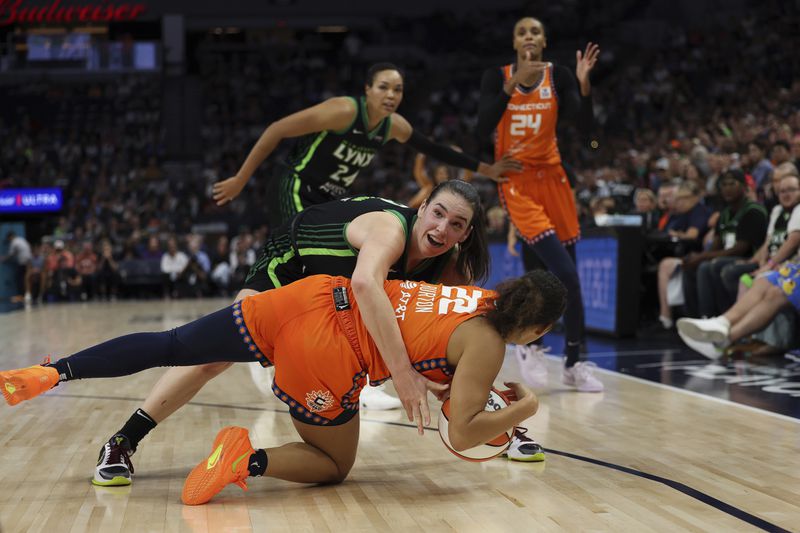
[
  {"x": 409, "y": 285},
  {"x": 340, "y": 300},
  {"x": 319, "y": 400}
]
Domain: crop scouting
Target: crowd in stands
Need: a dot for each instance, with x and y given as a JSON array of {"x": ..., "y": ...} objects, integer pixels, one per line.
[{"x": 679, "y": 126}]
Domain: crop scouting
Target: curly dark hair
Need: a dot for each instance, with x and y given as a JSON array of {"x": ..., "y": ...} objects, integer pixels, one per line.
[{"x": 536, "y": 299}]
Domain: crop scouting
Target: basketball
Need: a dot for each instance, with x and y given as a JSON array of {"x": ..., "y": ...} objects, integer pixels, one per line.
[{"x": 482, "y": 452}]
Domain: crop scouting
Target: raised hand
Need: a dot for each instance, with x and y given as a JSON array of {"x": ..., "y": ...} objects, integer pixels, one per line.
[{"x": 585, "y": 62}]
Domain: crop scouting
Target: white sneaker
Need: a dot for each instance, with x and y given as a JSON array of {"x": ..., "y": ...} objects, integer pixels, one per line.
[
  {"x": 532, "y": 364},
  {"x": 377, "y": 399},
  {"x": 581, "y": 376},
  {"x": 714, "y": 330},
  {"x": 523, "y": 448},
  {"x": 706, "y": 349}
]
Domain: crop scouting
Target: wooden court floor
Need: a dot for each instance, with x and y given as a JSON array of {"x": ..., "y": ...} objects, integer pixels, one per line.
[{"x": 638, "y": 457}]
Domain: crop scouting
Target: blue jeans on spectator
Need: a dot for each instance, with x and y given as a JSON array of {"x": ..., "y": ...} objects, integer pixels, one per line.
[
  {"x": 703, "y": 289},
  {"x": 730, "y": 279}
]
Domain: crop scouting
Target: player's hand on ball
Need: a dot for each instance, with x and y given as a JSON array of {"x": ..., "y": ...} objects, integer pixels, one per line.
[
  {"x": 227, "y": 190},
  {"x": 517, "y": 391}
]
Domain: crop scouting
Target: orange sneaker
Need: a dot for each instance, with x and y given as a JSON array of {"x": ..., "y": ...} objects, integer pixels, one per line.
[
  {"x": 26, "y": 383},
  {"x": 227, "y": 463}
]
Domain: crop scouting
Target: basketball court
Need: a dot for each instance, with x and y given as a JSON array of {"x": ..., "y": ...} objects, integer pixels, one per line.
[{"x": 659, "y": 450}]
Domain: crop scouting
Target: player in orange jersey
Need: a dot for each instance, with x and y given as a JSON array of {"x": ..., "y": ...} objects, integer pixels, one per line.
[
  {"x": 313, "y": 333},
  {"x": 522, "y": 103}
]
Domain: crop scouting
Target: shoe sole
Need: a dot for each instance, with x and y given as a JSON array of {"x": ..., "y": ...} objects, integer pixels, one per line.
[
  {"x": 18, "y": 386},
  {"x": 116, "y": 481},
  {"x": 535, "y": 458},
  {"x": 695, "y": 332}
]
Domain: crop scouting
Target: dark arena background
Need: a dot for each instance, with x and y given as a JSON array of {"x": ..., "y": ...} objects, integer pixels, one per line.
[{"x": 117, "y": 119}]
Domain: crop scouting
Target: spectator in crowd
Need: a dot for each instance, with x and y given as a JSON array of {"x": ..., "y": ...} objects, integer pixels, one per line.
[
  {"x": 761, "y": 166},
  {"x": 646, "y": 205},
  {"x": 776, "y": 290},
  {"x": 770, "y": 189},
  {"x": 86, "y": 265},
  {"x": 19, "y": 255},
  {"x": 783, "y": 237},
  {"x": 666, "y": 203},
  {"x": 107, "y": 272},
  {"x": 220, "y": 266},
  {"x": 194, "y": 278},
  {"x": 688, "y": 226},
  {"x": 781, "y": 153},
  {"x": 35, "y": 275},
  {"x": 66, "y": 282},
  {"x": 173, "y": 263},
  {"x": 152, "y": 250},
  {"x": 740, "y": 230}
]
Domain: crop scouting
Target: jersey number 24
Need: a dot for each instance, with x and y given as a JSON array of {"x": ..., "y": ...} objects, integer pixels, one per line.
[{"x": 521, "y": 123}]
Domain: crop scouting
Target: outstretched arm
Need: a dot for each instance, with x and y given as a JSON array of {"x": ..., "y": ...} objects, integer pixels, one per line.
[
  {"x": 380, "y": 240},
  {"x": 333, "y": 114},
  {"x": 404, "y": 133}
]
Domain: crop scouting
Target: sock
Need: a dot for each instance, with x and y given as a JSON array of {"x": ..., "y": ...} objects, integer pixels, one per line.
[
  {"x": 258, "y": 463},
  {"x": 136, "y": 428},
  {"x": 573, "y": 352},
  {"x": 724, "y": 321},
  {"x": 63, "y": 369}
]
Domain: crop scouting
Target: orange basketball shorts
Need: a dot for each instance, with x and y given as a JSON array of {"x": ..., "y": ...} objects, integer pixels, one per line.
[
  {"x": 539, "y": 201},
  {"x": 319, "y": 371}
]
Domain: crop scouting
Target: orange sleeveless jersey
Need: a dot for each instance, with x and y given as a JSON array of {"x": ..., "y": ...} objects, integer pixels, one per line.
[
  {"x": 527, "y": 130},
  {"x": 322, "y": 355}
]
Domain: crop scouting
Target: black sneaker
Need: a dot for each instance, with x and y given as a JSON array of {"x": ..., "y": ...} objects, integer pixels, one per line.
[
  {"x": 114, "y": 466},
  {"x": 523, "y": 448}
]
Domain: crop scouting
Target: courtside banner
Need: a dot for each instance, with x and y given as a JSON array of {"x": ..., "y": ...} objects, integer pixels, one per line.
[{"x": 30, "y": 200}]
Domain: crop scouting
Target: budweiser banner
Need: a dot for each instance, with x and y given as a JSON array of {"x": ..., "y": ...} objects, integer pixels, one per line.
[{"x": 63, "y": 12}]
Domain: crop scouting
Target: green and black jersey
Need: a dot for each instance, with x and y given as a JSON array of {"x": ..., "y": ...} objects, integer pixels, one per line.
[
  {"x": 322, "y": 166},
  {"x": 315, "y": 242}
]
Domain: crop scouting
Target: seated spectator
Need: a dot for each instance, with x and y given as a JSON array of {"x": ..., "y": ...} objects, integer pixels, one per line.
[
  {"x": 666, "y": 202},
  {"x": 152, "y": 250},
  {"x": 690, "y": 223},
  {"x": 35, "y": 275},
  {"x": 783, "y": 237},
  {"x": 645, "y": 204},
  {"x": 173, "y": 263},
  {"x": 194, "y": 278},
  {"x": 772, "y": 292},
  {"x": 220, "y": 267},
  {"x": 86, "y": 265},
  {"x": 66, "y": 282},
  {"x": 760, "y": 166},
  {"x": 740, "y": 230},
  {"x": 107, "y": 272},
  {"x": 771, "y": 188},
  {"x": 781, "y": 153}
]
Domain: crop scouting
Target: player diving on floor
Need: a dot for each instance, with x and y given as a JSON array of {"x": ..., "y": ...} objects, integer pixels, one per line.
[{"x": 312, "y": 333}]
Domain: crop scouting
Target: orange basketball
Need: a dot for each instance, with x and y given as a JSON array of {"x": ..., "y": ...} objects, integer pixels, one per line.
[{"x": 482, "y": 452}]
